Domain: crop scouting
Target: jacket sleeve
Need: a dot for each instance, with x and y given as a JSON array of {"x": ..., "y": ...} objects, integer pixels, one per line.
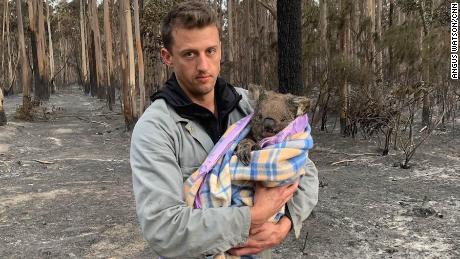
[
  {"x": 305, "y": 199},
  {"x": 173, "y": 229}
]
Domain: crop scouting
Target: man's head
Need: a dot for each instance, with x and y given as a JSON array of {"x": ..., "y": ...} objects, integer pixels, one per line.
[
  {"x": 187, "y": 15},
  {"x": 192, "y": 48}
]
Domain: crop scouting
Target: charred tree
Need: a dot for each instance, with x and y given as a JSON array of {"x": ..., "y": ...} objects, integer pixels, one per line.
[{"x": 290, "y": 46}]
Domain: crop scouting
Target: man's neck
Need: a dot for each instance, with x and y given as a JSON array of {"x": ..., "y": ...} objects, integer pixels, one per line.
[{"x": 207, "y": 101}]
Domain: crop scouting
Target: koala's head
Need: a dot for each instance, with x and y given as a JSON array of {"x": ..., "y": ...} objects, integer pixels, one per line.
[{"x": 274, "y": 111}]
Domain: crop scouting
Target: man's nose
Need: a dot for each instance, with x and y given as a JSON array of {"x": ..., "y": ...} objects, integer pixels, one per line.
[{"x": 203, "y": 63}]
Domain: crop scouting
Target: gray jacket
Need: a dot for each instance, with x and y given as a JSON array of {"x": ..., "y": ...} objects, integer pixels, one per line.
[{"x": 165, "y": 150}]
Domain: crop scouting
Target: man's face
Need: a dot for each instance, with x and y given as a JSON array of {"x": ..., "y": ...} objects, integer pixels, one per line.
[{"x": 195, "y": 58}]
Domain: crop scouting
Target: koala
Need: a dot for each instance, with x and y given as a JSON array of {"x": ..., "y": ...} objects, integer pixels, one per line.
[{"x": 272, "y": 113}]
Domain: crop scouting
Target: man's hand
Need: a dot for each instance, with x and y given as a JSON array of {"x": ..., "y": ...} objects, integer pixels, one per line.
[
  {"x": 263, "y": 237},
  {"x": 268, "y": 201}
]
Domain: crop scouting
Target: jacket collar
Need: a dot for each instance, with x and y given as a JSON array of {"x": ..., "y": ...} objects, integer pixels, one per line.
[{"x": 226, "y": 98}]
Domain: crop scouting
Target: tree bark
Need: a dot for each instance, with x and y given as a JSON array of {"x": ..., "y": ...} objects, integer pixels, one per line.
[
  {"x": 43, "y": 60},
  {"x": 50, "y": 44},
  {"x": 379, "y": 54},
  {"x": 41, "y": 75},
  {"x": 8, "y": 47},
  {"x": 109, "y": 56},
  {"x": 3, "y": 75},
  {"x": 425, "y": 73},
  {"x": 324, "y": 63},
  {"x": 3, "y": 119},
  {"x": 61, "y": 50},
  {"x": 370, "y": 59},
  {"x": 237, "y": 36},
  {"x": 92, "y": 67},
  {"x": 290, "y": 46},
  {"x": 127, "y": 63},
  {"x": 344, "y": 85},
  {"x": 256, "y": 42},
  {"x": 24, "y": 62},
  {"x": 140, "y": 58},
  {"x": 230, "y": 41},
  {"x": 390, "y": 49},
  {"x": 97, "y": 66},
  {"x": 371, "y": 15},
  {"x": 84, "y": 62}
]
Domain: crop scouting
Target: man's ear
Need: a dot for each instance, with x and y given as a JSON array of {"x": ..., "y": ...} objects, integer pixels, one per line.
[
  {"x": 302, "y": 103},
  {"x": 166, "y": 57}
]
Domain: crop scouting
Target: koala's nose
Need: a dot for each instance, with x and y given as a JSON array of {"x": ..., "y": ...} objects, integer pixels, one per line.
[{"x": 269, "y": 124}]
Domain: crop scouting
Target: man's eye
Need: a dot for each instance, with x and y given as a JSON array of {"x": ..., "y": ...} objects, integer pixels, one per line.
[
  {"x": 188, "y": 54},
  {"x": 212, "y": 51}
]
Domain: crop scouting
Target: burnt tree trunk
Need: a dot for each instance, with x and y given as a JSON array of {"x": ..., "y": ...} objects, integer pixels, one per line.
[
  {"x": 289, "y": 46},
  {"x": 41, "y": 87},
  {"x": 97, "y": 73}
]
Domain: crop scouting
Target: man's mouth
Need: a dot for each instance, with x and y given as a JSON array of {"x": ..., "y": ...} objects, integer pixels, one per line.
[{"x": 203, "y": 78}]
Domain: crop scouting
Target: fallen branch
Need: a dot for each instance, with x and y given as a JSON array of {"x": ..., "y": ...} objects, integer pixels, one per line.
[
  {"x": 343, "y": 161},
  {"x": 98, "y": 114},
  {"x": 5, "y": 163},
  {"x": 43, "y": 162},
  {"x": 424, "y": 128},
  {"x": 91, "y": 121},
  {"x": 84, "y": 182},
  {"x": 101, "y": 123},
  {"x": 347, "y": 154}
]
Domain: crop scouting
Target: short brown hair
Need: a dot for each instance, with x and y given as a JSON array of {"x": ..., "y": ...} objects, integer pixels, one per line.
[{"x": 188, "y": 15}]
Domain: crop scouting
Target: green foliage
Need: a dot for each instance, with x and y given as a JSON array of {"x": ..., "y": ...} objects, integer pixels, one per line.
[
  {"x": 68, "y": 14},
  {"x": 150, "y": 23},
  {"x": 154, "y": 11},
  {"x": 311, "y": 32},
  {"x": 436, "y": 47},
  {"x": 441, "y": 14},
  {"x": 404, "y": 41}
]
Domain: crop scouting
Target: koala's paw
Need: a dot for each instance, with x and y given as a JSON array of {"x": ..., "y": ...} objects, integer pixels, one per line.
[
  {"x": 243, "y": 151},
  {"x": 244, "y": 156}
]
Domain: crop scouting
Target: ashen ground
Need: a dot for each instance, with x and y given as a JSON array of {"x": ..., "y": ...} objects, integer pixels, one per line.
[{"x": 66, "y": 192}]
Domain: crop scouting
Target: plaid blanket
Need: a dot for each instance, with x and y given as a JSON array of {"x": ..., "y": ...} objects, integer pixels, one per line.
[{"x": 223, "y": 181}]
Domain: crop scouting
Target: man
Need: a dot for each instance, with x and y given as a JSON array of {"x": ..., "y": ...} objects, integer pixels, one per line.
[{"x": 174, "y": 136}]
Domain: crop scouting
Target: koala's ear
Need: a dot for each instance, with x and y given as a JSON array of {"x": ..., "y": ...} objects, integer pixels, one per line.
[
  {"x": 255, "y": 92},
  {"x": 302, "y": 104}
]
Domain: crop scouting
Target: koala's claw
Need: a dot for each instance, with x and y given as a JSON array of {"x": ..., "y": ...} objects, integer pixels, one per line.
[
  {"x": 243, "y": 151},
  {"x": 244, "y": 156}
]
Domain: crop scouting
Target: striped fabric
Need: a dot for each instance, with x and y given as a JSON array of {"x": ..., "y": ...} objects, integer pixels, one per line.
[{"x": 223, "y": 181}]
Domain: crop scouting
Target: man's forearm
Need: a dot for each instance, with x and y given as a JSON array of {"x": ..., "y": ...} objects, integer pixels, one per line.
[
  {"x": 264, "y": 237},
  {"x": 269, "y": 200}
]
